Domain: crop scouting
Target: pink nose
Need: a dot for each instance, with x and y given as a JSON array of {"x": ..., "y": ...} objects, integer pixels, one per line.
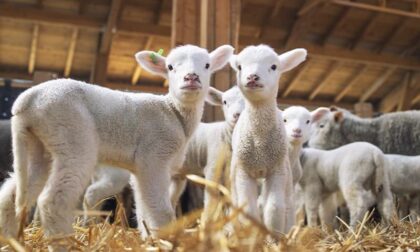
[
  {"x": 191, "y": 77},
  {"x": 253, "y": 77},
  {"x": 298, "y": 131}
]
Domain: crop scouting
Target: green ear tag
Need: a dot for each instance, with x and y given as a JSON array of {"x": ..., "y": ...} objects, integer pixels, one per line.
[{"x": 153, "y": 55}]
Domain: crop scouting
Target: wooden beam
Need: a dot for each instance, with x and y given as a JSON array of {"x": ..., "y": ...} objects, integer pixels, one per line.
[
  {"x": 324, "y": 79},
  {"x": 138, "y": 70},
  {"x": 394, "y": 33},
  {"x": 377, "y": 8},
  {"x": 296, "y": 79},
  {"x": 407, "y": 93},
  {"x": 338, "y": 22},
  {"x": 70, "y": 52},
  {"x": 390, "y": 101},
  {"x": 353, "y": 80},
  {"x": 364, "y": 31},
  {"x": 272, "y": 12},
  {"x": 34, "y": 45},
  {"x": 110, "y": 25},
  {"x": 310, "y": 5},
  {"x": 377, "y": 84}
]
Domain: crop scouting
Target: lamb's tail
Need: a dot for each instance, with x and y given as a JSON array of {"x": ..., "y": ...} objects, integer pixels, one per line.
[
  {"x": 20, "y": 136},
  {"x": 23, "y": 101},
  {"x": 381, "y": 178}
]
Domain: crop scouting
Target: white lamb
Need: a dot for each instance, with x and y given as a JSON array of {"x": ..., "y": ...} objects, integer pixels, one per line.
[
  {"x": 259, "y": 143},
  {"x": 202, "y": 153},
  {"x": 358, "y": 170},
  {"x": 404, "y": 176},
  {"x": 81, "y": 125}
]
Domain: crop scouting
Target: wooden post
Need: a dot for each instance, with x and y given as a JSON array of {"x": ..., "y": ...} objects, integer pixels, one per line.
[
  {"x": 209, "y": 24},
  {"x": 363, "y": 109}
]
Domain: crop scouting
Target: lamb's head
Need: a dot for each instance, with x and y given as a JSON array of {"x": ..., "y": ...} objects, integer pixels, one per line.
[
  {"x": 258, "y": 70},
  {"x": 298, "y": 121},
  {"x": 188, "y": 69},
  {"x": 326, "y": 133},
  {"x": 232, "y": 101}
]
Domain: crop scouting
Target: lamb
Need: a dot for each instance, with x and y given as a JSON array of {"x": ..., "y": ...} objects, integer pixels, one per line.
[
  {"x": 259, "y": 147},
  {"x": 81, "y": 125},
  {"x": 404, "y": 174},
  {"x": 393, "y": 133},
  {"x": 358, "y": 170},
  {"x": 202, "y": 153}
]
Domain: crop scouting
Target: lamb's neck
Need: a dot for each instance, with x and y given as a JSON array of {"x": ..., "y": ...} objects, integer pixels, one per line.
[
  {"x": 227, "y": 133},
  {"x": 189, "y": 114},
  {"x": 356, "y": 129},
  {"x": 294, "y": 151},
  {"x": 261, "y": 115}
]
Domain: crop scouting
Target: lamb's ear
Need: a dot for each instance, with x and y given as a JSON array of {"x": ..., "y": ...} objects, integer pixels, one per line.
[
  {"x": 220, "y": 57},
  {"x": 291, "y": 59},
  {"x": 338, "y": 116},
  {"x": 152, "y": 62},
  {"x": 333, "y": 108},
  {"x": 318, "y": 113},
  {"x": 233, "y": 61},
  {"x": 214, "y": 97}
]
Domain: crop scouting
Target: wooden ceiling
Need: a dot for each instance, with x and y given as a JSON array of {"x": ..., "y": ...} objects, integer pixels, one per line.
[{"x": 359, "y": 51}]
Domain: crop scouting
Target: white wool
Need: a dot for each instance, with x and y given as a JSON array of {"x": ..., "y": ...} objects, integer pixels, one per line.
[
  {"x": 259, "y": 143},
  {"x": 358, "y": 170},
  {"x": 81, "y": 125}
]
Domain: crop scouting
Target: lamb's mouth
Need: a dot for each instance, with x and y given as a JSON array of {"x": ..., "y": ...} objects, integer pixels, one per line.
[
  {"x": 296, "y": 136},
  {"x": 254, "y": 85},
  {"x": 191, "y": 85}
]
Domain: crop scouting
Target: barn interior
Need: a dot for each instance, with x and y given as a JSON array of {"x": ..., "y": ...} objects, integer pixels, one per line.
[{"x": 364, "y": 55}]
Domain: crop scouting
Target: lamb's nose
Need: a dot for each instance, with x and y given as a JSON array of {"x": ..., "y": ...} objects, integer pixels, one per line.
[
  {"x": 297, "y": 131},
  {"x": 236, "y": 115},
  {"x": 191, "y": 77},
  {"x": 253, "y": 77}
]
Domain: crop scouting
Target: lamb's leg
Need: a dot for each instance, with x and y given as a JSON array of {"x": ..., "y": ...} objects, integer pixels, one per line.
[
  {"x": 312, "y": 196},
  {"x": 403, "y": 206},
  {"x": 70, "y": 175},
  {"x": 385, "y": 204},
  {"x": 279, "y": 213},
  {"x": 415, "y": 208},
  {"x": 38, "y": 174},
  {"x": 328, "y": 211},
  {"x": 357, "y": 199},
  {"x": 176, "y": 188},
  {"x": 151, "y": 193},
  {"x": 246, "y": 189}
]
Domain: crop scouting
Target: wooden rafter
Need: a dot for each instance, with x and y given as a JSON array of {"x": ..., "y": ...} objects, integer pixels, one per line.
[
  {"x": 34, "y": 45},
  {"x": 295, "y": 80},
  {"x": 377, "y": 84},
  {"x": 364, "y": 31},
  {"x": 138, "y": 70},
  {"x": 71, "y": 51},
  {"x": 353, "y": 80},
  {"x": 110, "y": 25},
  {"x": 272, "y": 12},
  {"x": 394, "y": 33},
  {"x": 400, "y": 97},
  {"x": 336, "y": 24},
  {"x": 310, "y": 5},
  {"x": 377, "y": 8},
  {"x": 324, "y": 80}
]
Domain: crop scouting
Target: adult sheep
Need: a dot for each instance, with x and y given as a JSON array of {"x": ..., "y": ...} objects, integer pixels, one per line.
[
  {"x": 393, "y": 133},
  {"x": 81, "y": 125}
]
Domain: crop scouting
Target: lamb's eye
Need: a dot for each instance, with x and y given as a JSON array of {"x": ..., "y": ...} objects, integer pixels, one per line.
[
  {"x": 224, "y": 102},
  {"x": 321, "y": 125},
  {"x": 308, "y": 121},
  {"x": 284, "y": 120},
  {"x": 207, "y": 66},
  {"x": 170, "y": 67},
  {"x": 273, "y": 67},
  {"x": 239, "y": 67}
]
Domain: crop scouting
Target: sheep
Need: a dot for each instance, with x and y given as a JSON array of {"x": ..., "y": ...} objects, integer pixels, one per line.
[
  {"x": 201, "y": 155},
  {"x": 81, "y": 125},
  {"x": 5, "y": 149},
  {"x": 393, "y": 133},
  {"x": 259, "y": 147},
  {"x": 404, "y": 174},
  {"x": 358, "y": 170}
]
